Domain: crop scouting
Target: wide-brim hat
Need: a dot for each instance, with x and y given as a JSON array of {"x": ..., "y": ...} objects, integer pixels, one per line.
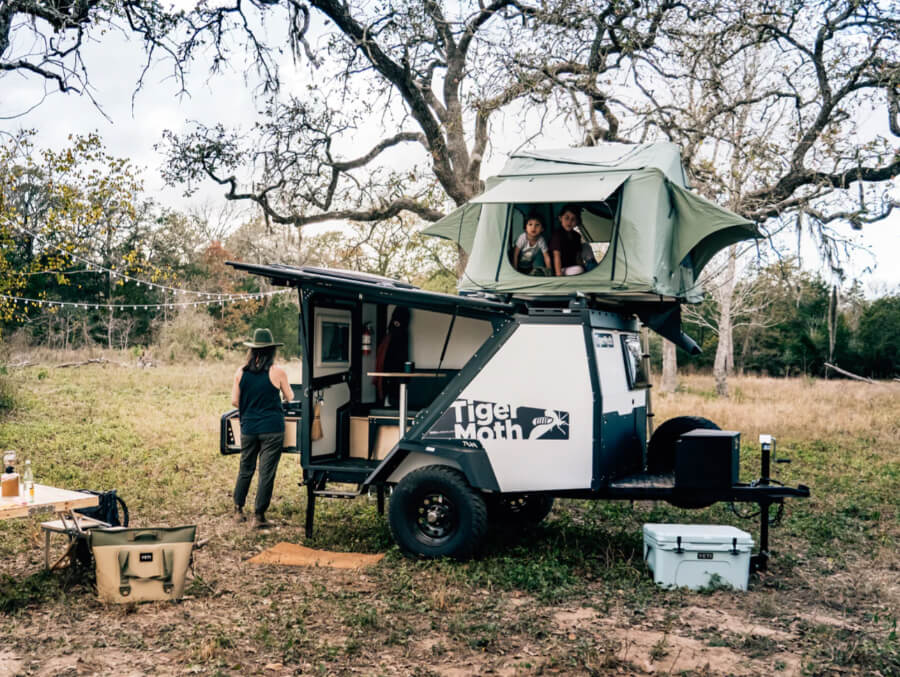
[{"x": 262, "y": 338}]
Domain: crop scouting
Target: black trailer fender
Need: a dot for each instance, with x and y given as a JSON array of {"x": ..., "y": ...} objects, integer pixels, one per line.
[{"x": 466, "y": 455}]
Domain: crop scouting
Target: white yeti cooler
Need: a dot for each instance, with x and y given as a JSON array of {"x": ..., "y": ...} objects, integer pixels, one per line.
[{"x": 689, "y": 554}]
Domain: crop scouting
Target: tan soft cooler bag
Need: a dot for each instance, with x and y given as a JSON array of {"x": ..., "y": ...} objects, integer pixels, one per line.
[{"x": 136, "y": 565}]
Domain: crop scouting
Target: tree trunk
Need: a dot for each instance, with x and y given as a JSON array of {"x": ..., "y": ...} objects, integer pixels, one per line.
[
  {"x": 832, "y": 325},
  {"x": 724, "y": 361},
  {"x": 669, "y": 381},
  {"x": 745, "y": 349},
  {"x": 720, "y": 366}
]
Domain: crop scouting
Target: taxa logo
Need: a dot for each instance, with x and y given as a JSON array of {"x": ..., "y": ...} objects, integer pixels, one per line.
[{"x": 475, "y": 420}]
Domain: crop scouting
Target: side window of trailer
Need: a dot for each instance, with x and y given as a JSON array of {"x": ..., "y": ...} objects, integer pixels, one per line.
[
  {"x": 332, "y": 338},
  {"x": 634, "y": 364}
]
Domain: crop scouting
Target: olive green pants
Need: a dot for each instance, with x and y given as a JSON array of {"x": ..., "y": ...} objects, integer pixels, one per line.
[{"x": 267, "y": 448}]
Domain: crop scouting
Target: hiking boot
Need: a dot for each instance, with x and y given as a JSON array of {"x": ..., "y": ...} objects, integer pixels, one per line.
[
  {"x": 260, "y": 521},
  {"x": 239, "y": 516}
]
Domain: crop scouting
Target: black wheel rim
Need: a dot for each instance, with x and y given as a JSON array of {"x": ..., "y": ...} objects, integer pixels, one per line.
[{"x": 436, "y": 518}]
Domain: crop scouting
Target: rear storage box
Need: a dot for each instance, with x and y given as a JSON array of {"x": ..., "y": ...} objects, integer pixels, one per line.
[
  {"x": 135, "y": 565},
  {"x": 707, "y": 459},
  {"x": 690, "y": 554}
]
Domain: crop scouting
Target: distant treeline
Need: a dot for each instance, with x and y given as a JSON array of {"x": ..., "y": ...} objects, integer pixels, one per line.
[
  {"x": 176, "y": 325},
  {"x": 87, "y": 259},
  {"x": 791, "y": 322},
  {"x": 786, "y": 322}
]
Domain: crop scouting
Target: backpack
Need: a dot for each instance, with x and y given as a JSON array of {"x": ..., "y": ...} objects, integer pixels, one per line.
[{"x": 108, "y": 508}]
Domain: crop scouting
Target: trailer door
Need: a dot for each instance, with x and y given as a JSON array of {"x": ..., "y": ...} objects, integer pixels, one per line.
[{"x": 623, "y": 406}]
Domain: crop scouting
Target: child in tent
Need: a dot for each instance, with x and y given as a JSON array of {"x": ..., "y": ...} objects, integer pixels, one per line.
[
  {"x": 530, "y": 255},
  {"x": 565, "y": 244}
]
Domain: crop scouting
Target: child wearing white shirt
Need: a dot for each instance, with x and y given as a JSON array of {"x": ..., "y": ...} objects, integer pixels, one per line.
[{"x": 531, "y": 251}]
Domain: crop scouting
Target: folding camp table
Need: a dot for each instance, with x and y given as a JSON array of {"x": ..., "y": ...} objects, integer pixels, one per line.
[{"x": 61, "y": 501}]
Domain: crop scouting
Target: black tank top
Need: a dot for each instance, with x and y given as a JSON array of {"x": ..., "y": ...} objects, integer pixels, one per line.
[{"x": 260, "y": 405}]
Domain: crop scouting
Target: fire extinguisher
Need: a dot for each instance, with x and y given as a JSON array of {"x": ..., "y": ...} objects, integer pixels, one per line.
[{"x": 367, "y": 340}]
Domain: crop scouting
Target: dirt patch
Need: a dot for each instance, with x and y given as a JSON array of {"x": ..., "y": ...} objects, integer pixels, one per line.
[
  {"x": 650, "y": 651},
  {"x": 101, "y": 662},
  {"x": 699, "y": 618},
  {"x": 575, "y": 617},
  {"x": 669, "y": 653},
  {"x": 10, "y": 664}
]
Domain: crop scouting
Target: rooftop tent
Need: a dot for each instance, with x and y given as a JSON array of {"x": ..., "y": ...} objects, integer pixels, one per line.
[
  {"x": 651, "y": 235},
  {"x": 460, "y": 224}
]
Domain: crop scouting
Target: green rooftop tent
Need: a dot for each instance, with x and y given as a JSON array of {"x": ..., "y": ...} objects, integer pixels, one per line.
[{"x": 651, "y": 235}]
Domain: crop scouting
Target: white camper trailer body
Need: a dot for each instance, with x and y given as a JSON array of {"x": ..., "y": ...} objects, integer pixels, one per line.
[{"x": 505, "y": 404}]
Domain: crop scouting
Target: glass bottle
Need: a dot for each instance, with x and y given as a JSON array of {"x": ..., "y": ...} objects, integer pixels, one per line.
[{"x": 28, "y": 481}]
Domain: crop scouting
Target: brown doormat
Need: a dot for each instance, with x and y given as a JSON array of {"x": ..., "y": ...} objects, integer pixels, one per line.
[{"x": 291, "y": 554}]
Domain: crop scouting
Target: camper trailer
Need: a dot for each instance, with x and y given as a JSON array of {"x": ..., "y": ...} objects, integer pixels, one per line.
[{"x": 522, "y": 388}]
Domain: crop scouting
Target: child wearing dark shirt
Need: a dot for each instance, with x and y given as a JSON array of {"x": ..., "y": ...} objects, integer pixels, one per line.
[{"x": 565, "y": 244}]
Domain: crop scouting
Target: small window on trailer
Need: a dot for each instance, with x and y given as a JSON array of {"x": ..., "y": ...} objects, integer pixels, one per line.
[
  {"x": 634, "y": 362},
  {"x": 332, "y": 338}
]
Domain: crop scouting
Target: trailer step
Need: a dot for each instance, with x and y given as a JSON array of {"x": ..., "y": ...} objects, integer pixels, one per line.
[{"x": 336, "y": 494}]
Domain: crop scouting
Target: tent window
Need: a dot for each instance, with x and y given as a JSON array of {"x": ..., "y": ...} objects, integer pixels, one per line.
[{"x": 597, "y": 220}]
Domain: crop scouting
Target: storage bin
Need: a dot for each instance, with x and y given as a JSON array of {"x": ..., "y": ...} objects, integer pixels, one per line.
[
  {"x": 707, "y": 458},
  {"x": 689, "y": 555}
]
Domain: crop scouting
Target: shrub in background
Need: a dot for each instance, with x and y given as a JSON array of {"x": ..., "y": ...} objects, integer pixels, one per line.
[
  {"x": 7, "y": 390},
  {"x": 280, "y": 315},
  {"x": 190, "y": 335},
  {"x": 879, "y": 337},
  {"x": 7, "y": 387}
]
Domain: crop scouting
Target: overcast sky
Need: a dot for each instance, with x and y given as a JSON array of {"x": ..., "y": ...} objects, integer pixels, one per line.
[{"x": 115, "y": 65}]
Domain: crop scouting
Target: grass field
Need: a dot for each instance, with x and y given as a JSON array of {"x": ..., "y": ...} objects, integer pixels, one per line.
[{"x": 571, "y": 596}]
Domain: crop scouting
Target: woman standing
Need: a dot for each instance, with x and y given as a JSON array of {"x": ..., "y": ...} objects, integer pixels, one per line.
[{"x": 255, "y": 393}]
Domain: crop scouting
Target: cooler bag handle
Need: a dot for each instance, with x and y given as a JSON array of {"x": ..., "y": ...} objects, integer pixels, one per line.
[{"x": 126, "y": 573}]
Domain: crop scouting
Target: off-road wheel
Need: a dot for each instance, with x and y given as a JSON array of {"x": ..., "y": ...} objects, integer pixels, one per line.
[
  {"x": 661, "y": 452},
  {"x": 434, "y": 512},
  {"x": 524, "y": 509}
]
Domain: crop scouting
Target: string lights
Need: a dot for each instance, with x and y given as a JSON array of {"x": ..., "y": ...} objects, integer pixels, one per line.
[
  {"x": 93, "y": 267},
  {"x": 230, "y": 298}
]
